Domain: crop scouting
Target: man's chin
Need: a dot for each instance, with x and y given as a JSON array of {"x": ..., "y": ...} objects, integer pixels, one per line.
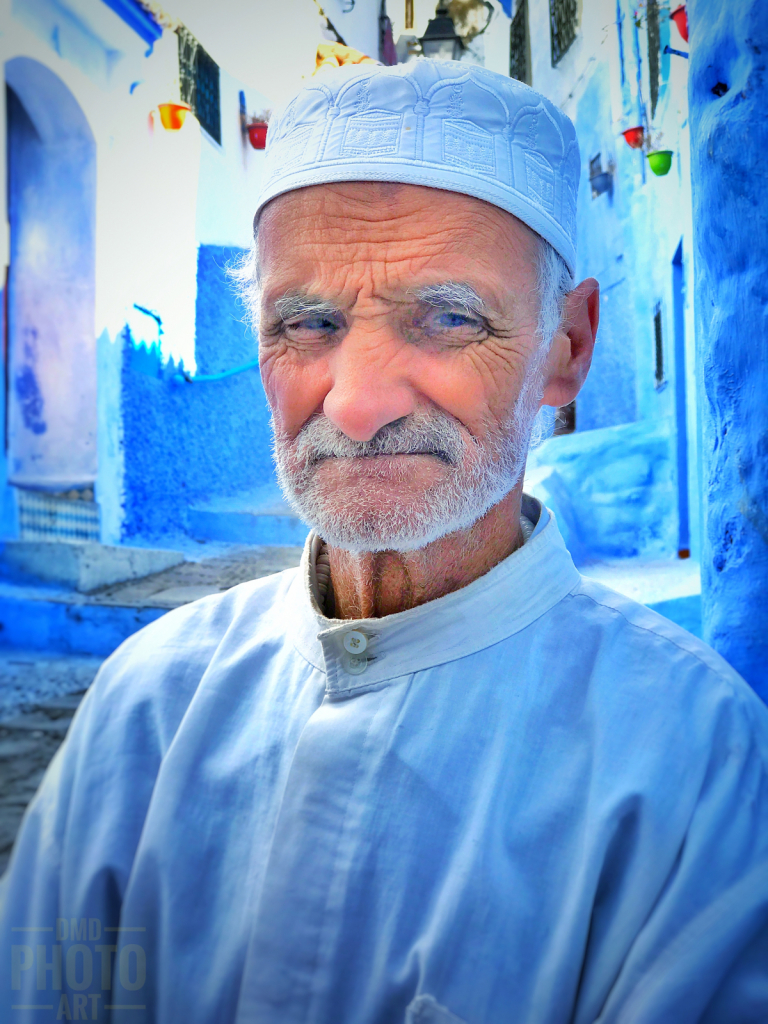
[{"x": 384, "y": 517}]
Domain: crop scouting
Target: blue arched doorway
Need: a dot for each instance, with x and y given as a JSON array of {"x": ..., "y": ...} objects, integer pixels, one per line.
[{"x": 51, "y": 427}]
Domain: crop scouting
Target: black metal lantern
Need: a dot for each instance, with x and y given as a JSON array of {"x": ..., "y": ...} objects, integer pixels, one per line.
[{"x": 440, "y": 41}]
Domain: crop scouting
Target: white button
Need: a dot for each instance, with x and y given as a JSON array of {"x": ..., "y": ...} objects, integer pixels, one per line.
[
  {"x": 355, "y": 665},
  {"x": 355, "y": 642}
]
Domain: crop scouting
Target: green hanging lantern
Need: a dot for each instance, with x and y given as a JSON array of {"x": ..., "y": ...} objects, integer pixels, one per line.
[{"x": 660, "y": 161}]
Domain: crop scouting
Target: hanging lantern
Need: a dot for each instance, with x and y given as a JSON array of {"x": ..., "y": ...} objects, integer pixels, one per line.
[
  {"x": 660, "y": 161},
  {"x": 257, "y": 134},
  {"x": 172, "y": 115},
  {"x": 440, "y": 40},
  {"x": 635, "y": 137},
  {"x": 680, "y": 18}
]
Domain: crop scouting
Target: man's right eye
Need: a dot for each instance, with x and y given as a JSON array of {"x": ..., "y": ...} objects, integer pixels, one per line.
[{"x": 310, "y": 327}]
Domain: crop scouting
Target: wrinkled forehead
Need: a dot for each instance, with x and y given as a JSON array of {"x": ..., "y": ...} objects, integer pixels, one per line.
[
  {"x": 380, "y": 220},
  {"x": 344, "y": 242}
]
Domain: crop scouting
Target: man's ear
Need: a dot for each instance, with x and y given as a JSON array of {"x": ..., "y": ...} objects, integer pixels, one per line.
[{"x": 570, "y": 356}]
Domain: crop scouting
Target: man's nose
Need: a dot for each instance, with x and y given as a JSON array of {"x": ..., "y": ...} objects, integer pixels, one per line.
[{"x": 369, "y": 387}]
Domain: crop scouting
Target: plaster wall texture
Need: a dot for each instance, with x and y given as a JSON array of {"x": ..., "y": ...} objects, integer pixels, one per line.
[
  {"x": 187, "y": 445},
  {"x": 628, "y": 239},
  {"x": 145, "y": 247},
  {"x": 166, "y": 448},
  {"x": 729, "y": 130},
  {"x": 230, "y": 174},
  {"x": 612, "y": 490},
  {"x": 158, "y": 195},
  {"x": 271, "y": 47}
]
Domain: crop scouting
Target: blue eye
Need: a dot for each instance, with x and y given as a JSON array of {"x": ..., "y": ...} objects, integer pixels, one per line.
[
  {"x": 314, "y": 324},
  {"x": 451, "y": 319}
]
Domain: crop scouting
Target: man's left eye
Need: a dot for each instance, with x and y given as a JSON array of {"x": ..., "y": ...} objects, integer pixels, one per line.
[
  {"x": 457, "y": 320},
  {"x": 455, "y": 324}
]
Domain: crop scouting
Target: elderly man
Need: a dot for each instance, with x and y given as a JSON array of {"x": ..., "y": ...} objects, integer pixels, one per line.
[{"x": 434, "y": 776}]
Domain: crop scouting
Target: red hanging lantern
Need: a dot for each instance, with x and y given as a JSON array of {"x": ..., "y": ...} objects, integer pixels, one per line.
[
  {"x": 257, "y": 134},
  {"x": 680, "y": 18},
  {"x": 635, "y": 137}
]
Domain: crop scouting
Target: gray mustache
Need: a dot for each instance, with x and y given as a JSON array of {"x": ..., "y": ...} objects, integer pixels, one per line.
[{"x": 433, "y": 433}]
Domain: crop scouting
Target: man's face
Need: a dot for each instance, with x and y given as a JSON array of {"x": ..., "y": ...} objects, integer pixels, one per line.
[{"x": 398, "y": 328}]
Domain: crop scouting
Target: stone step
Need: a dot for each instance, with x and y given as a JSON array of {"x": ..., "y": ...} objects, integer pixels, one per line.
[
  {"x": 58, "y": 619},
  {"x": 81, "y": 565}
]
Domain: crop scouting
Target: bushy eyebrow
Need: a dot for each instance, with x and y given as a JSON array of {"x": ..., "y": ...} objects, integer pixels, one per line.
[
  {"x": 450, "y": 295},
  {"x": 445, "y": 295},
  {"x": 295, "y": 304}
]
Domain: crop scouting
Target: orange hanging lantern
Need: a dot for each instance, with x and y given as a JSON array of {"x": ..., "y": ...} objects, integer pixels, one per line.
[
  {"x": 680, "y": 18},
  {"x": 172, "y": 115},
  {"x": 635, "y": 137},
  {"x": 257, "y": 134}
]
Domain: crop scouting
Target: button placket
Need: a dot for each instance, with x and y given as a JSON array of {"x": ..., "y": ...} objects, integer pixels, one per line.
[{"x": 352, "y": 649}]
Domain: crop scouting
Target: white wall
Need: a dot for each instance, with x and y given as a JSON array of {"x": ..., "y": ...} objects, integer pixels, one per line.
[{"x": 271, "y": 46}]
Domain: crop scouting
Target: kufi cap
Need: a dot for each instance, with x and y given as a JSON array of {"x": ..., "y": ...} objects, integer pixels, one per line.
[{"x": 444, "y": 124}]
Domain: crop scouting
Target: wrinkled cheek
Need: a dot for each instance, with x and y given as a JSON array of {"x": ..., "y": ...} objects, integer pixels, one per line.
[{"x": 294, "y": 391}]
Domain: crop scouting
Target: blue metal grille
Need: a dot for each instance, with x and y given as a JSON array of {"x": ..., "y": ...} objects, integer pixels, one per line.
[
  {"x": 563, "y": 16},
  {"x": 654, "y": 52},
  {"x": 207, "y": 100},
  {"x": 518, "y": 44},
  {"x": 199, "y": 81},
  {"x": 50, "y": 517}
]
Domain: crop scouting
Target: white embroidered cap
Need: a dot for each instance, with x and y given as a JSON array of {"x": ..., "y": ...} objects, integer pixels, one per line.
[{"x": 444, "y": 124}]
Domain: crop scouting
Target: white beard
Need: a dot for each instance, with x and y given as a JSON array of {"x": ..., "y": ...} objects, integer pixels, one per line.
[{"x": 478, "y": 474}]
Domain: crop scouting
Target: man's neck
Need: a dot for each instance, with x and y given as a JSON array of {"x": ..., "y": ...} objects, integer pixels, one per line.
[{"x": 374, "y": 584}]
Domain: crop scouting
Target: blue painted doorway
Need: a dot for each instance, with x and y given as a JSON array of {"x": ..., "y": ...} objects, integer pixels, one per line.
[{"x": 51, "y": 414}]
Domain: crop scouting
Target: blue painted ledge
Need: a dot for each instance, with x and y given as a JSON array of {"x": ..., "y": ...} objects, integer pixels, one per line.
[
  {"x": 261, "y": 517},
  {"x": 42, "y": 619}
]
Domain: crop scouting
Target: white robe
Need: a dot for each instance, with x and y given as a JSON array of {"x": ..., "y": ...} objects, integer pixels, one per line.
[{"x": 531, "y": 801}]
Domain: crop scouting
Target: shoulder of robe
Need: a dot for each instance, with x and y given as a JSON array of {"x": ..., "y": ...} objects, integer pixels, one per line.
[
  {"x": 156, "y": 671},
  {"x": 667, "y": 665}
]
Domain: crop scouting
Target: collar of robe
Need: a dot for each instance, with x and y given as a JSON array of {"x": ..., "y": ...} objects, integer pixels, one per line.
[{"x": 357, "y": 654}]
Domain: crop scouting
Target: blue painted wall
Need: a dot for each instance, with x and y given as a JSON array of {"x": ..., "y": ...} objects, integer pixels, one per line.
[
  {"x": 621, "y": 490},
  {"x": 729, "y": 142},
  {"x": 612, "y": 490},
  {"x": 609, "y": 395},
  {"x": 189, "y": 445},
  {"x": 9, "y": 526}
]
